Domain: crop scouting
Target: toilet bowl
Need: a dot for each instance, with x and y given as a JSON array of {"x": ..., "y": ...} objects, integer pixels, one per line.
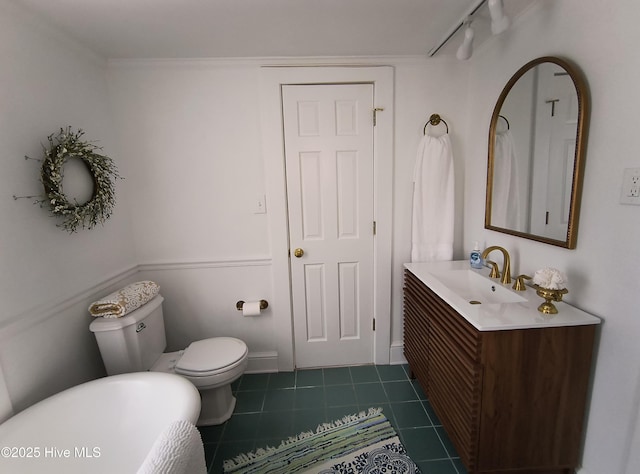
[
  {"x": 136, "y": 342},
  {"x": 211, "y": 365}
]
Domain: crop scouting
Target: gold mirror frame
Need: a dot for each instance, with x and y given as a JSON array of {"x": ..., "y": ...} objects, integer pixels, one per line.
[{"x": 579, "y": 158}]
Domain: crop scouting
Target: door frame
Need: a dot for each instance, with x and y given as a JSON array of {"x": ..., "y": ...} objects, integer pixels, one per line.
[{"x": 271, "y": 81}]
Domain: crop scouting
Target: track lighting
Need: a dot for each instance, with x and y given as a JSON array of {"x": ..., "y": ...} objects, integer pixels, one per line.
[
  {"x": 466, "y": 48},
  {"x": 499, "y": 21}
]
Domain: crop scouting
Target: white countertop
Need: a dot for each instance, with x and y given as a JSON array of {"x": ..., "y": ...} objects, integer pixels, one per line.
[{"x": 497, "y": 316}]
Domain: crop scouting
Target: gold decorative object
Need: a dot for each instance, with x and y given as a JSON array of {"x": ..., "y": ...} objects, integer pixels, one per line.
[{"x": 549, "y": 295}]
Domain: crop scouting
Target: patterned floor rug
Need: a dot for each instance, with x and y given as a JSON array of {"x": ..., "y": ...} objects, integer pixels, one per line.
[{"x": 356, "y": 444}]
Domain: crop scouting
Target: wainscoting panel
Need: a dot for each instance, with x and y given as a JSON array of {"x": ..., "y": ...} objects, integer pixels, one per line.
[
  {"x": 200, "y": 302},
  {"x": 50, "y": 348}
]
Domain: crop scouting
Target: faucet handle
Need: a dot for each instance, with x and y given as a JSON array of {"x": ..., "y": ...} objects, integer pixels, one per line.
[
  {"x": 519, "y": 284},
  {"x": 495, "y": 273}
]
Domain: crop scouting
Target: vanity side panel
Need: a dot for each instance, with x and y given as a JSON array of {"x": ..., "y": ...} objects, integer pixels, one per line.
[
  {"x": 534, "y": 395},
  {"x": 415, "y": 329},
  {"x": 454, "y": 375}
]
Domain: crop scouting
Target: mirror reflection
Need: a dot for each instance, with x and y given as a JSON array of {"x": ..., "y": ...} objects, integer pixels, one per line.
[{"x": 536, "y": 148}]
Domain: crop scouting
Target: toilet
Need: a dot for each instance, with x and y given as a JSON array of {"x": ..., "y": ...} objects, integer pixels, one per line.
[{"x": 136, "y": 343}]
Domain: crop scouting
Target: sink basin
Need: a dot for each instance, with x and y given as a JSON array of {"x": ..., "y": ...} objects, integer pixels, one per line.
[
  {"x": 500, "y": 307},
  {"x": 475, "y": 288}
]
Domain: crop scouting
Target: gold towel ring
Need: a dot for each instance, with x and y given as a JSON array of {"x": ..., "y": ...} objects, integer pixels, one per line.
[{"x": 435, "y": 120}]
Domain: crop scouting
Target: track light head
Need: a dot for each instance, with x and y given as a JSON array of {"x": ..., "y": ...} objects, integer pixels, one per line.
[
  {"x": 466, "y": 48},
  {"x": 499, "y": 21}
]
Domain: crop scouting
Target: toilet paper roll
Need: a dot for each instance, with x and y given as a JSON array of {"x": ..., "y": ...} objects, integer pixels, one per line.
[{"x": 251, "y": 308}]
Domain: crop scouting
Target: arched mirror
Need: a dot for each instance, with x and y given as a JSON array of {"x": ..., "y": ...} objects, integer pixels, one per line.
[{"x": 537, "y": 145}]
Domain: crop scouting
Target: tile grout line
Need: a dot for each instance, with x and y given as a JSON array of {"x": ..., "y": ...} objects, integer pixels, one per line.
[
  {"x": 432, "y": 423},
  {"x": 351, "y": 384}
]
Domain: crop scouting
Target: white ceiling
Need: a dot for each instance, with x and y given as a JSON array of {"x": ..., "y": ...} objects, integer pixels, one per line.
[{"x": 261, "y": 28}]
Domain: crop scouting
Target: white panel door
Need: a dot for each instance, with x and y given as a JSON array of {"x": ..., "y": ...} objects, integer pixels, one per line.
[
  {"x": 562, "y": 151},
  {"x": 555, "y": 146},
  {"x": 329, "y": 167}
]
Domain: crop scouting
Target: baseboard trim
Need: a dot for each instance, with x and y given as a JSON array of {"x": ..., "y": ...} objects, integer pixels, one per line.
[
  {"x": 396, "y": 353},
  {"x": 262, "y": 362}
]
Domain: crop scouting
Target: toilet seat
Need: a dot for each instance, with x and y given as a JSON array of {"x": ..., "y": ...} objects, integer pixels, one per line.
[{"x": 211, "y": 356}]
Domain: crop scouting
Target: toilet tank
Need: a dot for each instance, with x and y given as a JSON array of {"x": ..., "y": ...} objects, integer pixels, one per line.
[{"x": 133, "y": 342}]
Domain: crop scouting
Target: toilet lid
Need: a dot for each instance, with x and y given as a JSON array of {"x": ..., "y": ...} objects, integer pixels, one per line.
[{"x": 211, "y": 354}]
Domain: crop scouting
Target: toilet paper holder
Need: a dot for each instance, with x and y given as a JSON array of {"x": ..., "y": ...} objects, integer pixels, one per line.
[{"x": 264, "y": 304}]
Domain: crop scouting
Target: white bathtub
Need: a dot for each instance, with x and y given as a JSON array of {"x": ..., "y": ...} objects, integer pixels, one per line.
[{"x": 104, "y": 426}]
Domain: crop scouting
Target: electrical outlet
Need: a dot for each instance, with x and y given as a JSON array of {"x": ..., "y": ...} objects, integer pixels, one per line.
[{"x": 630, "y": 193}]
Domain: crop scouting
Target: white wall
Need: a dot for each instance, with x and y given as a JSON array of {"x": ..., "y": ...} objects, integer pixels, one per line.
[
  {"x": 48, "y": 276},
  {"x": 423, "y": 88},
  {"x": 193, "y": 130},
  {"x": 603, "y": 271}
]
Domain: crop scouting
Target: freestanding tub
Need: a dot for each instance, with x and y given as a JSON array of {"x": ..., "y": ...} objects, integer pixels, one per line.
[{"x": 107, "y": 425}]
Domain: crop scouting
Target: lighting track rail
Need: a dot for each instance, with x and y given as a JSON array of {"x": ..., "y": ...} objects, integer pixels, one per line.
[
  {"x": 456, "y": 27},
  {"x": 499, "y": 23}
]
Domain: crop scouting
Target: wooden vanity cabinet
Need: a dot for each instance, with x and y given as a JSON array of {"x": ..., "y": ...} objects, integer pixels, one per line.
[{"x": 511, "y": 401}]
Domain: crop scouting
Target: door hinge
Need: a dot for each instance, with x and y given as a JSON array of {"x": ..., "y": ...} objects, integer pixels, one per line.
[
  {"x": 374, "y": 324},
  {"x": 374, "y": 227},
  {"x": 375, "y": 114}
]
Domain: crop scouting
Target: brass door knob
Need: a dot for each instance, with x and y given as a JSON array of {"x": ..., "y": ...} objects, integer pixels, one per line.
[{"x": 298, "y": 252}]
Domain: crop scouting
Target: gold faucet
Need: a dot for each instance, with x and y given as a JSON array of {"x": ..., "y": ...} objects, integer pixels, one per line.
[
  {"x": 506, "y": 268},
  {"x": 495, "y": 273},
  {"x": 519, "y": 284}
]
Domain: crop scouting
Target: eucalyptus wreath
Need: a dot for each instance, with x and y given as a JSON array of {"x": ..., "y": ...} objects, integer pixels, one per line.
[{"x": 68, "y": 144}]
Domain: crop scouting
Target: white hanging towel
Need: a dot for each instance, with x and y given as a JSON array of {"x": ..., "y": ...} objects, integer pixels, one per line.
[
  {"x": 505, "y": 196},
  {"x": 433, "y": 201}
]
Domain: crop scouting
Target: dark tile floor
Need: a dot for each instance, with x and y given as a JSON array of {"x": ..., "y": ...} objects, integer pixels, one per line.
[{"x": 272, "y": 407}]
